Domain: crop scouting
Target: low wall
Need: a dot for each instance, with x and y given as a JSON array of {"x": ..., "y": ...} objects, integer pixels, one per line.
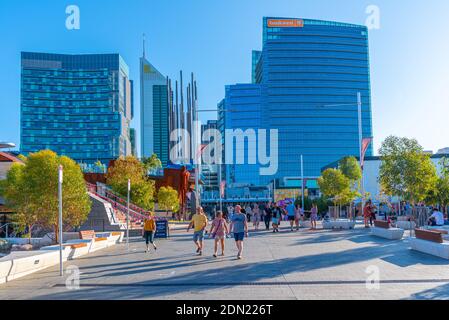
[{"x": 21, "y": 263}]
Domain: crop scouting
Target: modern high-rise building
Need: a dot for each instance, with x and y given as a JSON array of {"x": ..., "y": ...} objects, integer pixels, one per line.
[
  {"x": 154, "y": 117},
  {"x": 76, "y": 105},
  {"x": 305, "y": 85}
]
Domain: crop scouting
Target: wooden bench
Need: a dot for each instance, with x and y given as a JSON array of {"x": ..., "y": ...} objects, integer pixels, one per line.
[
  {"x": 427, "y": 235},
  {"x": 78, "y": 245},
  {"x": 430, "y": 242},
  {"x": 87, "y": 235},
  {"x": 100, "y": 239},
  {"x": 383, "y": 229},
  {"x": 114, "y": 234},
  {"x": 381, "y": 224}
]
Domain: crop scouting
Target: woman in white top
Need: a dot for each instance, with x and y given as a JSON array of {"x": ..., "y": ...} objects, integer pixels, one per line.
[{"x": 256, "y": 217}]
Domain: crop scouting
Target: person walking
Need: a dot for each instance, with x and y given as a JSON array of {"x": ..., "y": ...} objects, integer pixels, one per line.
[
  {"x": 218, "y": 232},
  {"x": 149, "y": 229},
  {"x": 276, "y": 218},
  {"x": 314, "y": 216},
  {"x": 249, "y": 212},
  {"x": 291, "y": 214},
  {"x": 298, "y": 216},
  {"x": 268, "y": 214},
  {"x": 239, "y": 227},
  {"x": 199, "y": 223},
  {"x": 256, "y": 217},
  {"x": 367, "y": 214}
]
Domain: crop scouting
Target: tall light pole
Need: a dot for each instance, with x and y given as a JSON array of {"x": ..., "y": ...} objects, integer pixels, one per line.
[
  {"x": 127, "y": 214},
  {"x": 360, "y": 132},
  {"x": 302, "y": 183},
  {"x": 359, "y": 109},
  {"x": 219, "y": 187},
  {"x": 60, "y": 170}
]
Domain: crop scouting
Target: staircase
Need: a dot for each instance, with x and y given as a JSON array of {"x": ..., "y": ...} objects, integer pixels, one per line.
[{"x": 109, "y": 212}]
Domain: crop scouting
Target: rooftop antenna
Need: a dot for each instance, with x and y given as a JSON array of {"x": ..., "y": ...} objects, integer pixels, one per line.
[{"x": 144, "y": 45}]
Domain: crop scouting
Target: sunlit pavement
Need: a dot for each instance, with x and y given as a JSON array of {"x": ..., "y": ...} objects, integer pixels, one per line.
[{"x": 287, "y": 265}]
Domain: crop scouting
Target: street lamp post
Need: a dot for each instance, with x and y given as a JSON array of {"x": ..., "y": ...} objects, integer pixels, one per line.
[
  {"x": 60, "y": 170},
  {"x": 302, "y": 184},
  {"x": 127, "y": 214},
  {"x": 360, "y": 133}
]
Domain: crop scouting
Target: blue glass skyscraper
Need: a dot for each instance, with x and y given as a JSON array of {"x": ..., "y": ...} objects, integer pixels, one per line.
[
  {"x": 76, "y": 105},
  {"x": 307, "y": 76}
]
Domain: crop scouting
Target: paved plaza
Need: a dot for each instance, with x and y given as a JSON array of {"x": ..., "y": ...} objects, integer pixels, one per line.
[{"x": 288, "y": 265}]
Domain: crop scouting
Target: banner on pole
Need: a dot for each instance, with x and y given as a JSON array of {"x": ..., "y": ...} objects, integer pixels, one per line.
[{"x": 365, "y": 144}]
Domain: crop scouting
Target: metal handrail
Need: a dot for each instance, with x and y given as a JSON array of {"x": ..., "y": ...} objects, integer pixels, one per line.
[{"x": 6, "y": 227}]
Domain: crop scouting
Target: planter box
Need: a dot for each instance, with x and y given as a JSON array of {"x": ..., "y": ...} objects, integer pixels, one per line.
[
  {"x": 435, "y": 249},
  {"x": 406, "y": 225},
  {"x": 390, "y": 234},
  {"x": 339, "y": 224}
]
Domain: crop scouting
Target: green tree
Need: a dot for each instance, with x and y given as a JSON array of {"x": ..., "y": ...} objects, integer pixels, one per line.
[
  {"x": 152, "y": 162},
  {"x": 334, "y": 184},
  {"x": 168, "y": 199},
  {"x": 100, "y": 166},
  {"x": 406, "y": 170},
  {"x": 14, "y": 191},
  {"x": 350, "y": 167},
  {"x": 32, "y": 190},
  {"x": 142, "y": 189},
  {"x": 440, "y": 193}
]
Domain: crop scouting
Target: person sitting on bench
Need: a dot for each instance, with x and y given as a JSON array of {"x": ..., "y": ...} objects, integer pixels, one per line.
[{"x": 436, "y": 219}]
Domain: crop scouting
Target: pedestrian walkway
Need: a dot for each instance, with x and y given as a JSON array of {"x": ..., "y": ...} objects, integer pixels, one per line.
[{"x": 288, "y": 265}]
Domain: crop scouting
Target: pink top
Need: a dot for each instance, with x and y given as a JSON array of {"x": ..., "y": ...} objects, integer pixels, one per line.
[{"x": 219, "y": 227}]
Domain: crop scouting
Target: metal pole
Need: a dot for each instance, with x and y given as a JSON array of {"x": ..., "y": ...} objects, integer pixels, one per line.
[
  {"x": 219, "y": 187},
  {"x": 302, "y": 183},
  {"x": 197, "y": 161},
  {"x": 127, "y": 214},
  {"x": 359, "y": 106},
  {"x": 60, "y": 219}
]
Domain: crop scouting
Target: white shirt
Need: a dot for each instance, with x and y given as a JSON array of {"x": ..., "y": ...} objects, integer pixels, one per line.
[{"x": 439, "y": 218}]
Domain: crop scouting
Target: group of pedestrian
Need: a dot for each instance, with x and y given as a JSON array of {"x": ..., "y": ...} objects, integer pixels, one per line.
[
  {"x": 274, "y": 214},
  {"x": 219, "y": 230},
  {"x": 235, "y": 223},
  {"x": 369, "y": 214}
]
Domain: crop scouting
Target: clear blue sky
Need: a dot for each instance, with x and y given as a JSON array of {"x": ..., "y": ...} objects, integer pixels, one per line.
[{"x": 409, "y": 54}]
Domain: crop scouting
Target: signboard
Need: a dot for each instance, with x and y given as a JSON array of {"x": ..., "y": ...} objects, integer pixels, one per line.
[
  {"x": 162, "y": 229},
  {"x": 285, "y": 23},
  {"x": 284, "y": 194}
]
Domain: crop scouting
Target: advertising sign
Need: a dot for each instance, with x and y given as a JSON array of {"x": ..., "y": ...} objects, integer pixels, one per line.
[{"x": 285, "y": 23}]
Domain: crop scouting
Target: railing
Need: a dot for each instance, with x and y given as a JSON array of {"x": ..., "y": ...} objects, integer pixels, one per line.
[
  {"x": 6, "y": 228},
  {"x": 120, "y": 204}
]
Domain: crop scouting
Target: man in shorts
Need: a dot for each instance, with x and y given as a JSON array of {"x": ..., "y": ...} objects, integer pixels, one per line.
[
  {"x": 199, "y": 224},
  {"x": 239, "y": 227},
  {"x": 291, "y": 214}
]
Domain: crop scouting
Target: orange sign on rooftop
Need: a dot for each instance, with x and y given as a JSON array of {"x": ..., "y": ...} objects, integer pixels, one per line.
[{"x": 286, "y": 23}]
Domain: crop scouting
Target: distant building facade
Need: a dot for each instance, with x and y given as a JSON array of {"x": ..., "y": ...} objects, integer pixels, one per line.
[
  {"x": 80, "y": 106},
  {"x": 305, "y": 85},
  {"x": 154, "y": 115}
]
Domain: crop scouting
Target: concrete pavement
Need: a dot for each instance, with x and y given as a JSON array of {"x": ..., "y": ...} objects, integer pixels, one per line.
[{"x": 287, "y": 265}]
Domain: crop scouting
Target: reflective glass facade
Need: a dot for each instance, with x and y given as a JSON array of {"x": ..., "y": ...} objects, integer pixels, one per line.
[
  {"x": 308, "y": 76},
  {"x": 76, "y": 105},
  {"x": 154, "y": 123}
]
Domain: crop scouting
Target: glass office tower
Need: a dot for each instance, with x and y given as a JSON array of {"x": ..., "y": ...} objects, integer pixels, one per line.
[
  {"x": 154, "y": 124},
  {"x": 308, "y": 74},
  {"x": 76, "y": 105}
]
